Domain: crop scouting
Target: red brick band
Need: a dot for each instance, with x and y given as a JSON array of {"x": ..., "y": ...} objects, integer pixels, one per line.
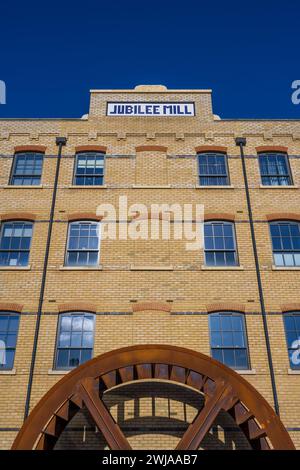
[
  {"x": 271, "y": 148},
  {"x": 283, "y": 216},
  {"x": 225, "y": 306},
  {"x": 77, "y": 307},
  {"x": 10, "y": 307},
  {"x": 30, "y": 148},
  {"x": 290, "y": 307},
  {"x": 17, "y": 216}
]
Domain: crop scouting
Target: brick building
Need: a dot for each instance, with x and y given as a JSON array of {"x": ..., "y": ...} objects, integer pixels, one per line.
[{"x": 152, "y": 145}]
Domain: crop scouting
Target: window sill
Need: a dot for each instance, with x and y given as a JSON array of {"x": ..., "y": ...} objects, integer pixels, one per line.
[
  {"x": 81, "y": 268},
  {"x": 245, "y": 372},
  {"x": 15, "y": 268},
  {"x": 222, "y": 268},
  {"x": 151, "y": 268},
  {"x": 74, "y": 186},
  {"x": 285, "y": 268},
  {"x": 265, "y": 186},
  {"x": 8, "y": 372},
  {"x": 293, "y": 372},
  {"x": 57, "y": 372},
  {"x": 141, "y": 186},
  {"x": 224, "y": 186},
  {"x": 15, "y": 186}
]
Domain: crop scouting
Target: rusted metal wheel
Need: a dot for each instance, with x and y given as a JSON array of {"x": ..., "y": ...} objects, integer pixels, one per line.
[{"x": 223, "y": 389}]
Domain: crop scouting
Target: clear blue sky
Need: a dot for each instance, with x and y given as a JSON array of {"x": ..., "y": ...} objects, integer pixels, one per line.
[{"x": 53, "y": 52}]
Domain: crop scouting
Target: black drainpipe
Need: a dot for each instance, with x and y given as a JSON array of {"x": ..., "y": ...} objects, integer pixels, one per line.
[
  {"x": 241, "y": 142},
  {"x": 60, "y": 142}
]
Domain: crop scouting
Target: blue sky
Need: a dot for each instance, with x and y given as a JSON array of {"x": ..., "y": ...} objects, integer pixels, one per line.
[{"x": 53, "y": 53}]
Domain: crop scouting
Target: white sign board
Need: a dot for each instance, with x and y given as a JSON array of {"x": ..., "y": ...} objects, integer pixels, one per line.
[{"x": 153, "y": 109}]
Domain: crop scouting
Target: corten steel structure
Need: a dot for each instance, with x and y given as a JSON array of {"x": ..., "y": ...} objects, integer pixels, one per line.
[
  {"x": 78, "y": 316},
  {"x": 223, "y": 390}
]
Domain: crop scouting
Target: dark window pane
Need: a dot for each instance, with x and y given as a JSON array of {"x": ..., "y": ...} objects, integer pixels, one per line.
[
  {"x": 217, "y": 354},
  {"x": 229, "y": 357},
  {"x": 230, "y": 259},
  {"x": 86, "y": 355},
  {"x": 9, "y": 359},
  {"x": 215, "y": 323},
  {"x": 209, "y": 243},
  {"x": 227, "y": 339},
  {"x": 241, "y": 360},
  {"x": 3, "y": 323},
  {"x": 289, "y": 322},
  {"x": 216, "y": 339},
  {"x": 62, "y": 358},
  {"x": 220, "y": 260},
  {"x": 74, "y": 359}
]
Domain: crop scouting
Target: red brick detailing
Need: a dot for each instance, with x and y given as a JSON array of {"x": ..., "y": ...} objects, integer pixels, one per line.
[
  {"x": 160, "y": 306},
  {"x": 219, "y": 216},
  {"x": 271, "y": 148},
  {"x": 84, "y": 216},
  {"x": 151, "y": 148},
  {"x": 10, "y": 307},
  {"x": 18, "y": 216},
  {"x": 225, "y": 306},
  {"x": 30, "y": 148},
  {"x": 91, "y": 148},
  {"x": 283, "y": 216},
  {"x": 77, "y": 307},
  {"x": 290, "y": 307},
  {"x": 211, "y": 148}
]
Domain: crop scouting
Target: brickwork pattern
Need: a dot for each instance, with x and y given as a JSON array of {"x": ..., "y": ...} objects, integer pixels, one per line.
[{"x": 136, "y": 275}]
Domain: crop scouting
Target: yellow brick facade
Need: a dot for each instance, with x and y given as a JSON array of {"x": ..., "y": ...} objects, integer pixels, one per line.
[{"x": 136, "y": 271}]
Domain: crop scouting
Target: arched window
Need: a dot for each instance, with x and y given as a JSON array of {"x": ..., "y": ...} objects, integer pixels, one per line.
[
  {"x": 15, "y": 241},
  {"x": 83, "y": 244},
  {"x": 89, "y": 169},
  {"x": 75, "y": 339},
  {"x": 220, "y": 244},
  {"x": 292, "y": 333},
  {"x": 9, "y": 326},
  {"x": 228, "y": 339},
  {"x": 274, "y": 169},
  {"x": 286, "y": 242},
  {"x": 27, "y": 169},
  {"x": 213, "y": 169}
]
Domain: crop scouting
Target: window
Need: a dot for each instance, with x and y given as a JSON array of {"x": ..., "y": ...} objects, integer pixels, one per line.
[
  {"x": 274, "y": 169},
  {"x": 89, "y": 169},
  {"x": 213, "y": 169},
  {"x": 228, "y": 339},
  {"x": 9, "y": 325},
  {"x": 15, "y": 243},
  {"x": 27, "y": 169},
  {"x": 219, "y": 244},
  {"x": 286, "y": 243},
  {"x": 292, "y": 333},
  {"x": 83, "y": 244},
  {"x": 75, "y": 340}
]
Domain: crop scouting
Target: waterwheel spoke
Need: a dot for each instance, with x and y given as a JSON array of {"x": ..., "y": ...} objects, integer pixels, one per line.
[
  {"x": 101, "y": 416},
  {"x": 197, "y": 430}
]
